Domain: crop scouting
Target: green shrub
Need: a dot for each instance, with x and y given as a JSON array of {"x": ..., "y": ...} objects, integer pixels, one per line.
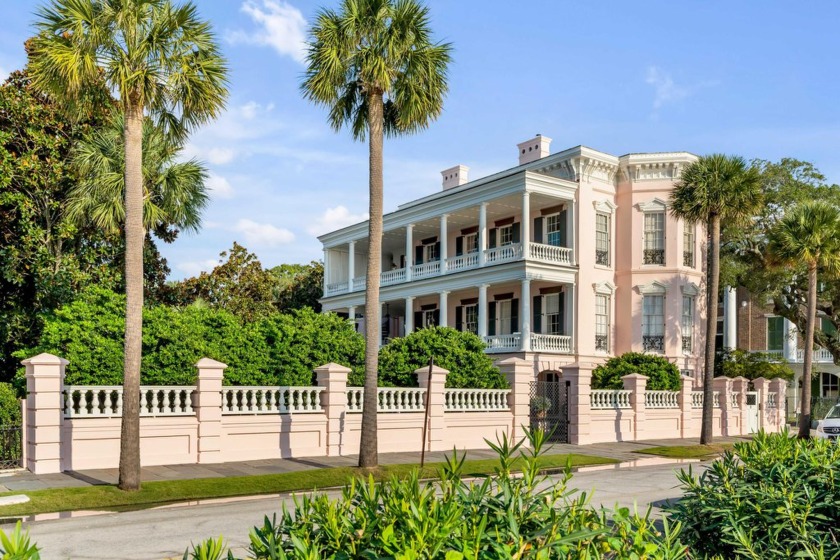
[
  {"x": 774, "y": 497},
  {"x": 662, "y": 375},
  {"x": 752, "y": 365},
  {"x": 462, "y": 353},
  {"x": 501, "y": 517},
  {"x": 16, "y": 545},
  {"x": 9, "y": 405}
]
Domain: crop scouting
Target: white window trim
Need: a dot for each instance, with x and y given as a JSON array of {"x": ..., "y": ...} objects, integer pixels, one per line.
[
  {"x": 604, "y": 288},
  {"x": 605, "y": 206},
  {"x": 690, "y": 289},
  {"x": 655, "y": 205},
  {"x": 655, "y": 288}
]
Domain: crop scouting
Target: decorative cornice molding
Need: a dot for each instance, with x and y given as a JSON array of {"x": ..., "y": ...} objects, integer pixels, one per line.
[
  {"x": 604, "y": 288},
  {"x": 655, "y": 288},
  {"x": 655, "y": 205},
  {"x": 690, "y": 289},
  {"x": 604, "y": 206}
]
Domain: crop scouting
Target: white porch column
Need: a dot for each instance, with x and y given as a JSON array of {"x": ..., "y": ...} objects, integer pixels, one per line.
[
  {"x": 526, "y": 225},
  {"x": 443, "y": 243},
  {"x": 571, "y": 316},
  {"x": 409, "y": 251},
  {"x": 790, "y": 341},
  {"x": 351, "y": 265},
  {"x": 482, "y": 234},
  {"x": 482, "y": 311},
  {"x": 443, "y": 309},
  {"x": 351, "y": 313},
  {"x": 525, "y": 298},
  {"x": 409, "y": 315},
  {"x": 730, "y": 320},
  {"x": 327, "y": 279}
]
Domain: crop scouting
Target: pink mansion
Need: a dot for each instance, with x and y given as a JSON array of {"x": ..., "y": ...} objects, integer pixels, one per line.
[{"x": 565, "y": 260}]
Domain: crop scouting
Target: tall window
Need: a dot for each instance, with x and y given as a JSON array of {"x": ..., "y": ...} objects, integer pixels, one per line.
[
  {"x": 554, "y": 233},
  {"x": 506, "y": 235},
  {"x": 688, "y": 246},
  {"x": 687, "y": 324},
  {"x": 553, "y": 319},
  {"x": 830, "y": 385},
  {"x": 653, "y": 324},
  {"x": 654, "y": 238},
  {"x": 775, "y": 334},
  {"x": 471, "y": 243},
  {"x": 471, "y": 318},
  {"x": 602, "y": 239},
  {"x": 602, "y": 323},
  {"x": 504, "y": 313},
  {"x": 430, "y": 318},
  {"x": 431, "y": 252}
]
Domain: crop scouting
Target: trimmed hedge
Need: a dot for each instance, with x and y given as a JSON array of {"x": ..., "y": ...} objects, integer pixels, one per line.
[{"x": 662, "y": 375}]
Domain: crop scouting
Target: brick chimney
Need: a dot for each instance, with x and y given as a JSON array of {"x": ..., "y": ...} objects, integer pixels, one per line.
[
  {"x": 533, "y": 149},
  {"x": 455, "y": 176}
]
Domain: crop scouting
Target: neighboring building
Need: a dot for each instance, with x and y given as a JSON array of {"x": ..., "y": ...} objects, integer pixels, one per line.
[{"x": 568, "y": 258}]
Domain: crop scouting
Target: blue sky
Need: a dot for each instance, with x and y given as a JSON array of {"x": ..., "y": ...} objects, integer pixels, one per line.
[{"x": 755, "y": 78}]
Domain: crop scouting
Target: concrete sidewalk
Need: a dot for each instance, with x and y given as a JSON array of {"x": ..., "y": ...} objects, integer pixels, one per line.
[{"x": 22, "y": 480}]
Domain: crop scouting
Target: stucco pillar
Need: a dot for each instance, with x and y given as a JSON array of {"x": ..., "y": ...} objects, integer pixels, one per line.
[
  {"x": 409, "y": 251},
  {"x": 208, "y": 410},
  {"x": 730, "y": 323},
  {"x": 580, "y": 403},
  {"x": 723, "y": 385},
  {"x": 776, "y": 403},
  {"x": 409, "y": 315},
  {"x": 526, "y": 225},
  {"x": 351, "y": 265},
  {"x": 520, "y": 375},
  {"x": 333, "y": 377},
  {"x": 571, "y": 232},
  {"x": 687, "y": 427},
  {"x": 740, "y": 385},
  {"x": 443, "y": 308},
  {"x": 436, "y": 434},
  {"x": 637, "y": 383},
  {"x": 44, "y": 413},
  {"x": 525, "y": 319},
  {"x": 482, "y": 311},
  {"x": 444, "y": 243},
  {"x": 482, "y": 232}
]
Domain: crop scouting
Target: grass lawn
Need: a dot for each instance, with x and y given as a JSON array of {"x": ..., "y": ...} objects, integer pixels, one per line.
[
  {"x": 688, "y": 451},
  {"x": 108, "y": 497}
]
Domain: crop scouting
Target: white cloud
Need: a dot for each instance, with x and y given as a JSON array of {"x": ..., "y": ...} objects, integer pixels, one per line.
[
  {"x": 263, "y": 234},
  {"x": 335, "y": 218},
  {"x": 194, "y": 268},
  {"x": 220, "y": 156},
  {"x": 665, "y": 90},
  {"x": 252, "y": 109},
  {"x": 219, "y": 186},
  {"x": 281, "y": 26}
]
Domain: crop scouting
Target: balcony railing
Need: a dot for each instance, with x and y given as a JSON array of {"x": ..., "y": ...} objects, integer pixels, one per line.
[
  {"x": 550, "y": 253},
  {"x": 551, "y": 343},
  {"x": 602, "y": 343},
  {"x": 392, "y": 277},
  {"x": 462, "y": 262},
  {"x": 336, "y": 288},
  {"x": 602, "y": 258},
  {"x": 688, "y": 259},
  {"x": 820, "y": 356},
  {"x": 504, "y": 253},
  {"x": 686, "y": 344},
  {"x": 654, "y": 256},
  {"x": 653, "y": 343},
  {"x": 503, "y": 342},
  {"x": 359, "y": 283},
  {"x": 425, "y": 270}
]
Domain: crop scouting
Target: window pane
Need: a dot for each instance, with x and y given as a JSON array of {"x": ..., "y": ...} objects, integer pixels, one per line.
[
  {"x": 471, "y": 318},
  {"x": 653, "y": 317},
  {"x": 602, "y": 239},
  {"x": 503, "y": 316},
  {"x": 775, "y": 334}
]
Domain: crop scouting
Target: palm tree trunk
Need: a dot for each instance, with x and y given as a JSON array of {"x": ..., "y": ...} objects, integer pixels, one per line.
[
  {"x": 808, "y": 351},
  {"x": 134, "y": 239},
  {"x": 712, "y": 288},
  {"x": 368, "y": 447}
]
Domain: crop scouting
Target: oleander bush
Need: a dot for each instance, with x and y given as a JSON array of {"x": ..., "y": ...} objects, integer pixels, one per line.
[
  {"x": 662, "y": 375},
  {"x": 775, "y": 497},
  {"x": 499, "y": 517}
]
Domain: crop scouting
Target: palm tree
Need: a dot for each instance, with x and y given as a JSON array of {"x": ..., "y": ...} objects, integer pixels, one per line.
[
  {"x": 174, "y": 193},
  {"x": 713, "y": 189},
  {"x": 808, "y": 234},
  {"x": 160, "y": 60},
  {"x": 374, "y": 66}
]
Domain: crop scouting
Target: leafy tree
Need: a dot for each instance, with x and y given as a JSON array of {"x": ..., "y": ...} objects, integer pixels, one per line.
[
  {"x": 752, "y": 365},
  {"x": 9, "y": 405},
  {"x": 157, "y": 58},
  {"x": 662, "y": 375},
  {"x": 375, "y": 67},
  {"x": 715, "y": 189},
  {"x": 809, "y": 234},
  {"x": 299, "y": 285},
  {"x": 462, "y": 353}
]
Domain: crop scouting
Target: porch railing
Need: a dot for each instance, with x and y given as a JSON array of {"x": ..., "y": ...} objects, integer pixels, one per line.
[
  {"x": 550, "y": 253},
  {"x": 504, "y": 253},
  {"x": 503, "y": 342},
  {"x": 336, "y": 288},
  {"x": 392, "y": 277},
  {"x": 551, "y": 343},
  {"x": 425, "y": 270},
  {"x": 462, "y": 262}
]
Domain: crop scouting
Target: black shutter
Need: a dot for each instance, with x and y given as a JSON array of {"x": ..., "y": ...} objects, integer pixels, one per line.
[
  {"x": 491, "y": 318},
  {"x": 402, "y": 261},
  {"x": 561, "y": 223},
  {"x": 561, "y": 311},
  {"x": 436, "y": 317},
  {"x": 514, "y": 315},
  {"x": 418, "y": 320},
  {"x": 537, "y": 324},
  {"x": 459, "y": 318},
  {"x": 437, "y": 250},
  {"x": 459, "y": 246},
  {"x": 515, "y": 231},
  {"x": 538, "y": 230},
  {"x": 492, "y": 238},
  {"x": 418, "y": 255}
]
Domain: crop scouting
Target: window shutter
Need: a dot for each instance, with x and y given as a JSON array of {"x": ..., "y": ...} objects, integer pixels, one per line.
[
  {"x": 436, "y": 317},
  {"x": 437, "y": 250},
  {"x": 418, "y": 320},
  {"x": 514, "y": 315},
  {"x": 402, "y": 261},
  {"x": 561, "y": 223},
  {"x": 459, "y": 318},
  {"x": 561, "y": 309},
  {"x": 491, "y": 323},
  {"x": 538, "y": 230},
  {"x": 492, "y": 238},
  {"x": 515, "y": 231},
  {"x": 418, "y": 255},
  {"x": 459, "y": 245},
  {"x": 537, "y": 324}
]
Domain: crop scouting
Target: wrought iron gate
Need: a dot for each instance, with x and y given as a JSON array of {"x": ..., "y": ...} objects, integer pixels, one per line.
[
  {"x": 11, "y": 449},
  {"x": 550, "y": 409}
]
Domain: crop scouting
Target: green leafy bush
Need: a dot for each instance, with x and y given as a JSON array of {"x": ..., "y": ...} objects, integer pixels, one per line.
[
  {"x": 662, "y": 375},
  {"x": 17, "y": 546},
  {"x": 501, "y": 517},
  {"x": 9, "y": 405},
  {"x": 752, "y": 365},
  {"x": 774, "y": 497},
  {"x": 462, "y": 353}
]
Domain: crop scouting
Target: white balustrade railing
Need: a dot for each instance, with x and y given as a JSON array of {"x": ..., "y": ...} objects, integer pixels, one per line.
[
  {"x": 391, "y": 399},
  {"x": 504, "y": 253},
  {"x": 106, "y": 401},
  {"x": 476, "y": 400},
  {"x": 271, "y": 400},
  {"x": 551, "y": 343},
  {"x": 662, "y": 399},
  {"x": 392, "y": 277},
  {"x": 425, "y": 270},
  {"x": 771, "y": 401},
  {"x": 600, "y": 399},
  {"x": 336, "y": 288},
  {"x": 503, "y": 342},
  {"x": 462, "y": 262},
  {"x": 359, "y": 283},
  {"x": 697, "y": 399},
  {"x": 550, "y": 253},
  {"x": 716, "y": 399},
  {"x": 820, "y": 356},
  {"x": 734, "y": 399}
]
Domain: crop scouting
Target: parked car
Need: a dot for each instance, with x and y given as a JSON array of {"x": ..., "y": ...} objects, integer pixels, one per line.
[{"x": 829, "y": 427}]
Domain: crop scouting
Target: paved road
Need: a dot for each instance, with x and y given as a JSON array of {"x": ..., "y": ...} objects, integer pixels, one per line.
[{"x": 166, "y": 532}]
